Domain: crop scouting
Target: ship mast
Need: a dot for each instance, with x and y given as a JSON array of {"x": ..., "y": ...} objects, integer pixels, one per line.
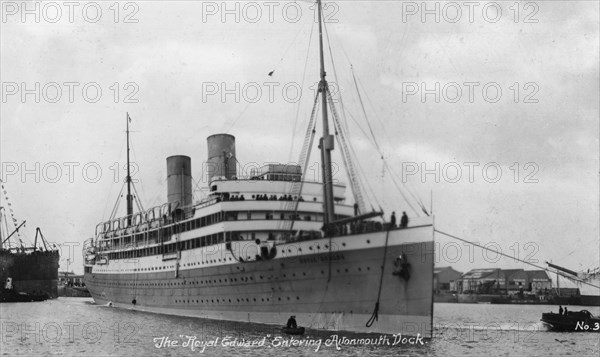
[
  {"x": 128, "y": 179},
  {"x": 326, "y": 142}
]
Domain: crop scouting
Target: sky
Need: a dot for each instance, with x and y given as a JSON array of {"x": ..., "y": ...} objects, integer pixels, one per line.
[{"x": 488, "y": 113}]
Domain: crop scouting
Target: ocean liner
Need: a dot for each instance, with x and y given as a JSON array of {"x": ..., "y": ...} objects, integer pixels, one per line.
[
  {"x": 267, "y": 246},
  {"x": 27, "y": 273}
]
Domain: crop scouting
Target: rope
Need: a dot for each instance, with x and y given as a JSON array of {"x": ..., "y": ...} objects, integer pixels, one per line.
[
  {"x": 343, "y": 110},
  {"x": 515, "y": 258},
  {"x": 301, "y": 86},
  {"x": 116, "y": 206},
  {"x": 375, "y": 315},
  {"x": 408, "y": 189},
  {"x": 137, "y": 199}
]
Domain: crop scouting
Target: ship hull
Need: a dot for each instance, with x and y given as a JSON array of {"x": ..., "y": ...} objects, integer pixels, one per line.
[
  {"x": 328, "y": 284},
  {"x": 33, "y": 273}
]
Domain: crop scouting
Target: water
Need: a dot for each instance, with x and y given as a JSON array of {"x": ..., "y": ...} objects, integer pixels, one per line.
[{"x": 77, "y": 327}]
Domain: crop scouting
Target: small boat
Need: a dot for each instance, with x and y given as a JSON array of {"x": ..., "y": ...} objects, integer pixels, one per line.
[
  {"x": 573, "y": 321},
  {"x": 293, "y": 330},
  {"x": 9, "y": 295}
]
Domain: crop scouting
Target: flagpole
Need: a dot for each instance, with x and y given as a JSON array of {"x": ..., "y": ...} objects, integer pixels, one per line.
[{"x": 129, "y": 197}]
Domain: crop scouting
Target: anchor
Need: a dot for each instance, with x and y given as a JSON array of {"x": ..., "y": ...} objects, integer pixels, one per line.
[{"x": 402, "y": 267}]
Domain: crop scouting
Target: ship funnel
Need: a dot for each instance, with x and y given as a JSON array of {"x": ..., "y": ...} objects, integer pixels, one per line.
[
  {"x": 179, "y": 182},
  {"x": 221, "y": 161}
]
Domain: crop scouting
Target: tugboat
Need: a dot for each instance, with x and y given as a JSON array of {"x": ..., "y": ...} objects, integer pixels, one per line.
[{"x": 572, "y": 321}]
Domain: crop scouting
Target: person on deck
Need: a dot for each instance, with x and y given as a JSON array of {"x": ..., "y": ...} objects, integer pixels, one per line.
[
  {"x": 560, "y": 310},
  {"x": 404, "y": 220},
  {"x": 292, "y": 322},
  {"x": 393, "y": 220}
]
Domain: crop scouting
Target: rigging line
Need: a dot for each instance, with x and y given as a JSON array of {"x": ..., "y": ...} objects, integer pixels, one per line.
[
  {"x": 359, "y": 127},
  {"x": 111, "y": 186},
  {"x": 304, "y": 158},
  {"x": 393, "y": 176},
  {"x": 364, "y": 178},
  {"x": 376, "y": 143},
  {"x": 360, "y": 101},
  {"x": 375, "y": 316},
  {"x": 301, "y": 86},
  {"x": 362, "y": 173},
  {"x": 299, "y": 193},
  {"x": 515, "y": 258},
  {"x": 343, "y": 110},
  {"x": 381, "y": 152},
  {"x": 238, "y": 118},
  {"x": 346, "y": 156},
  {"x": 139, "y": 170},
  {"x": 352, "y": 157},
  {"x": 198, "y": 189},
  {"x": 357, "y": 83},
  {"x": 291, "y": 44},
  {"x": 137, "y": 199},
  {"x": 408, "y": 188},
  {"x": 116, "y": 206}
]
